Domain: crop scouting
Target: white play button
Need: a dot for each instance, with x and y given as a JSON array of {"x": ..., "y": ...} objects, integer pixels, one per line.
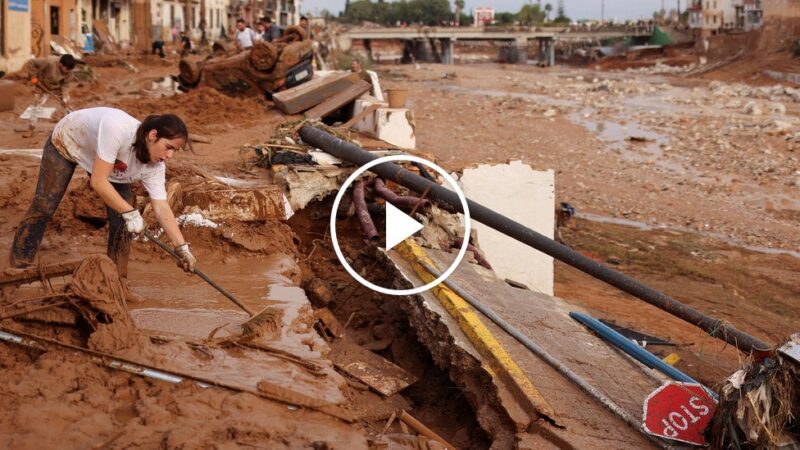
[{"x": 399, "y": 226}]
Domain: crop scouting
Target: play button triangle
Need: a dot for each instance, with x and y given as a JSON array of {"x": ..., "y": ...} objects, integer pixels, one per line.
[{"x": 399, "y": 226}]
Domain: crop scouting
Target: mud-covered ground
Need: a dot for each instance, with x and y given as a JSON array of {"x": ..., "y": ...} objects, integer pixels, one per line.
[{"x": 698, "y": 204}]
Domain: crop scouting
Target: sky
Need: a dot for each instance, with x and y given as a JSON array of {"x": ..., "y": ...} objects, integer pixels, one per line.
[{"x": 576, "y": 9}]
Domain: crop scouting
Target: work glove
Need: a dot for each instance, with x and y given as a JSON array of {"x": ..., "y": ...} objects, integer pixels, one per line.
[
  {"x": 133, "y": 221},
  {"x": 187, "y": 261}
]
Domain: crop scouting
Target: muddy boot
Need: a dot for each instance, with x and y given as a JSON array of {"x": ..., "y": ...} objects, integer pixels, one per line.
[{"x": 130, "y": 296}]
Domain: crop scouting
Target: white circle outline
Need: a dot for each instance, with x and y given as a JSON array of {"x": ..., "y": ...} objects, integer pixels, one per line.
[{"x": 467, "y": 226}]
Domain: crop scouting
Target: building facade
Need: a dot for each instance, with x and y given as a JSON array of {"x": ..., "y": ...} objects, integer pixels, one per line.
[
  {"x": 15, "y": 34},
  {"x": 707, "y": 17},
  {"x": 483, "y": 17}
]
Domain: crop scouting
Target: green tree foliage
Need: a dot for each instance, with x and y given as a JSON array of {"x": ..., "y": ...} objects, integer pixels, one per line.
[
  {"x": 504, "y": 18},
  {"x": 530, "y": 15},
  {"x": 459, "y": 4},
  {"x": 561, "y": 17},
  {"x": 428, "y": 12}
]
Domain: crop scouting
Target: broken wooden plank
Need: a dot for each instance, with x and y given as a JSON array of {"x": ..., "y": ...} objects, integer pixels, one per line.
[
  {"x": 420, "y": 428},
  {"x": 312, "y": 93},
  {"x": 373, "y": 370},
  {"x": 337, "y": 101},
  {"x": 16, "y": 277},
  {"x": 330, "y": 328}
]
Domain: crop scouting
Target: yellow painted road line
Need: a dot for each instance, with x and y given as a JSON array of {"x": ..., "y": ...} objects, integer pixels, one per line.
[{"x": 500, "y": 362}]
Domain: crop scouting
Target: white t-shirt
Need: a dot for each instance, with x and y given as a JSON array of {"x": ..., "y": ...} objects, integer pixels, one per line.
[
  {"x": 245, "y": 37},
  {"x": 108, "y": 133}
]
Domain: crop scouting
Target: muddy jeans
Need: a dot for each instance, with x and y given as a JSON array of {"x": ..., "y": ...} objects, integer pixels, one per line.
[{"x": 55, "y": 173}]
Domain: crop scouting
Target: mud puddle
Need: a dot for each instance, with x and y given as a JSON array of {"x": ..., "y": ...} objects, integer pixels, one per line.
[{"x": 176, "y": 303}]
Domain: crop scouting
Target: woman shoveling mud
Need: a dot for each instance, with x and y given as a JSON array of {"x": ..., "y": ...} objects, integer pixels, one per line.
[{"x": 116, "y": 150}]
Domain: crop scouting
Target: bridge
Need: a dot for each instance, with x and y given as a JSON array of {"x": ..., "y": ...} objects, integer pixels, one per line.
[{"x": 422, "y": 42}]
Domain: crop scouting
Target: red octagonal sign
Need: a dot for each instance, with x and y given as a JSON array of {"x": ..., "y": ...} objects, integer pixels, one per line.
[{"x": 679, "y": 411}]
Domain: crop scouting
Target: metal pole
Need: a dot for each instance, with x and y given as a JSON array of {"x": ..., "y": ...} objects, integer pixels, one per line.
[{"x": 715, "y": 327}]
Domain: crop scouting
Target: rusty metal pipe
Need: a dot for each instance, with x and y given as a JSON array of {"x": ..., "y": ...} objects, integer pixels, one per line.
[
  {"x": 479, "y": 258},
  {"x": 401, "y": 201},
  {"x": 362, "y": 212},
  {"x": 717, "y": 328}
]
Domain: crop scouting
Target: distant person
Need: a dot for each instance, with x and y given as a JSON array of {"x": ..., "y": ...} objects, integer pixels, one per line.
[
  {"x": 245, "y": 37},
  {"x": 186, "y": 43},
  {"x": 174, "y": 32},
  {"x": 271, "y": 31},
  {"x": 260, "y": 30},
  {"x": 304, "y": 25},
  {"x": 158, "y": 47},
  {"x": 51, "y": 73},
  {"x": 356, "y": 67}
]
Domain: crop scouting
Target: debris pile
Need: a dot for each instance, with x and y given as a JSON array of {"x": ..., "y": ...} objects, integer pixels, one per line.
[{"x": 760, "y": 403}]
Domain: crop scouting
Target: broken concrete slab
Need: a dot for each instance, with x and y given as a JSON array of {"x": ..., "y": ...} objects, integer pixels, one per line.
[
  {"x": 371, "y": 369},
  {"x": 545, "y": 320},
  {"x": 304, "y": 185},
  {"x": 527, "y": 196},
  {"x": 247, "y": 205},
  {"x": 393, "y": 125}
]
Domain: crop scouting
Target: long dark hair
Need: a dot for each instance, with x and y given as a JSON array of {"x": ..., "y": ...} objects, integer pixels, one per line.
[{"x": 167, "y": 126}]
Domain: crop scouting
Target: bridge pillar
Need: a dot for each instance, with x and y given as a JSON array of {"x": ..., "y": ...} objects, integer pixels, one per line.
[
  {"x": 448, "y": 50},
  {"x": 423, "y": 50},
  {"x": 520, "y": 50},
  {"x": 547, "y": 51},
  {"x": 515, "y": 52}
]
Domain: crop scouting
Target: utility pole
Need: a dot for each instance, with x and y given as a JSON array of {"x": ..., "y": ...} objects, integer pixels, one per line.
[{"x": 603, "y": 11}]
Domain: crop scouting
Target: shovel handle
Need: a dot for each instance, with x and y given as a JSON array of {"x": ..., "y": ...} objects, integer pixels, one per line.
[{"x": 199, "y": 273}]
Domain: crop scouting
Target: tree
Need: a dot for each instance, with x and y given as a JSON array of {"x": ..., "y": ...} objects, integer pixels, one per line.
[
  {"x": 459, "y": 7},
  {"x": 561, "y": 17},
  {"x": 428, "y": 12},
  {"x": 548, "y": 8},
  {"x": 504, "y": 18},
  {"x": 530, "y": 15},
  {"x": 359, "y": 11}
]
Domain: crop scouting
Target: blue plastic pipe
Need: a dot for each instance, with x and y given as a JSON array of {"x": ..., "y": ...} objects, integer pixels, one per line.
[{"x": 631, "y": 348}]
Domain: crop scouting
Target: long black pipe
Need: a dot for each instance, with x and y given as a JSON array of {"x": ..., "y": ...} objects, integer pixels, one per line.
[{"x": 715, "y": 327}]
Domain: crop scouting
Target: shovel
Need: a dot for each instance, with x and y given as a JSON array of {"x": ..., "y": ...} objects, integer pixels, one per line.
[{"x": 255, "y": 319}]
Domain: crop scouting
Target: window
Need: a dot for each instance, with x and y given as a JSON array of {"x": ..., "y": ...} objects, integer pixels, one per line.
[{"x": 54, "y": 20}]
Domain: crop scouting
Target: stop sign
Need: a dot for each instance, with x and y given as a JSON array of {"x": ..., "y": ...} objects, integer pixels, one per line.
[{"x": 679, "y": 411}]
